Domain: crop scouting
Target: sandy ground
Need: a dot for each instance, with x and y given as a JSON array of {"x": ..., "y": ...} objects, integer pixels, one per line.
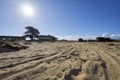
[{"x": 62, "y": 61}]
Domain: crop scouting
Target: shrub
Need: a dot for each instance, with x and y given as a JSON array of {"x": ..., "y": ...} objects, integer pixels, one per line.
[
  {"x": 91, "y": 40},
  {"x": 13, "y": 46},
  {"x": 103, "y": 39},
  {"x": 80, "y": 40}
]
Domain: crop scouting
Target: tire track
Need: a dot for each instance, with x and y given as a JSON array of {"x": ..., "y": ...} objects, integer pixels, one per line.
[
  {"x": 30, "y": 67},
  {"x": 95, "y": 65},
  {"x": 75, "y": 61},
  {"x": 111, "y": 63},
  {"x": 64, "y": 65}
]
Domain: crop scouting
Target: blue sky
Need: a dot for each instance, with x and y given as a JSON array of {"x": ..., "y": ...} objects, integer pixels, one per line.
[{"x": 62, "y": 18}]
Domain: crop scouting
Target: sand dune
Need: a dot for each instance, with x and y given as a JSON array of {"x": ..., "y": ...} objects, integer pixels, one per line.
[{"x": 62, "y": 61}]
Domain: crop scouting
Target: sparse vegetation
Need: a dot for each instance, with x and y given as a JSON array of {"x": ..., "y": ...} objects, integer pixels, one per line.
[
  {"x": 91, "y": 40},
  {"x": 15, "y": 46},
  {"x": 103, "y": 39}
]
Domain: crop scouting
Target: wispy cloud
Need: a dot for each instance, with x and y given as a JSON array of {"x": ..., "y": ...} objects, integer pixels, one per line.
[
  {"x": 112, "y": 36},
  {"x": 76, "y": 37},
  {"x": 69, "y": 37}
]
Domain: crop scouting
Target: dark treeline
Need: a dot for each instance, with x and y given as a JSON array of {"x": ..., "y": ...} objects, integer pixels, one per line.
[{"x": 98, "y": 39}]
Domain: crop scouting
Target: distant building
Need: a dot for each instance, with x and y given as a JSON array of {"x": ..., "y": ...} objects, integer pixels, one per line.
[
  {"x": 47, "y": 38},
  {"x": 40, "y": 38},
  {"x": 8, "y": 38}
]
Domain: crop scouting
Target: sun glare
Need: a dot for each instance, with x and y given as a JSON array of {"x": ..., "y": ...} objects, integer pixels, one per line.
[{"x": 27, "y": 10}]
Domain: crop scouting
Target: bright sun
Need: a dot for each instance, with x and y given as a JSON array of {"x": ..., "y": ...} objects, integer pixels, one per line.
[{"x": 28, "y": 10}]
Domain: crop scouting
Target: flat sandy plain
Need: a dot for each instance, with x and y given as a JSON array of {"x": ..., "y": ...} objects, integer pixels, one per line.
[{"x": 62, "y": 61}]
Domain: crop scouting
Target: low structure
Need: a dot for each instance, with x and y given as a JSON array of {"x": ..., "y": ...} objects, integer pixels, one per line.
[
  {"x": 47, "y": 38},
  {"x": 8, "y": 38},
  {"x": 40, "y": 38}
]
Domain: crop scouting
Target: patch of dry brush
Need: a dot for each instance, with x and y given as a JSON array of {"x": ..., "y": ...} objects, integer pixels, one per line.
[{"x": 11, "y": 46}]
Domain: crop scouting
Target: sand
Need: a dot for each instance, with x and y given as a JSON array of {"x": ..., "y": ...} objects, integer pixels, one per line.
[{"x": 62, "y": 61}]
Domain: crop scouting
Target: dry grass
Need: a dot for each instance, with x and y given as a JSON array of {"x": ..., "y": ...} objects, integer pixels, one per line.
[{"x": 11, "y": 46}]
